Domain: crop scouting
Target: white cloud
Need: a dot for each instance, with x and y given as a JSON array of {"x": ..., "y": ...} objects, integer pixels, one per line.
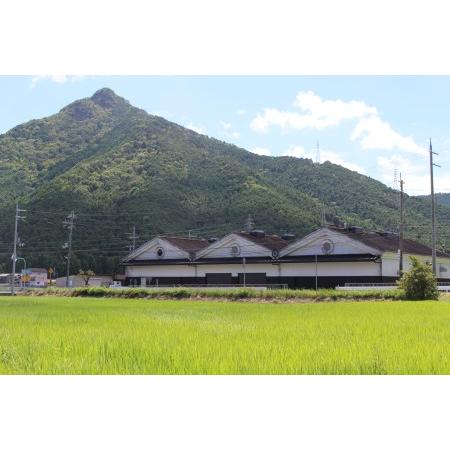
[
  {"x": 416, "y": 176},
  {"x": 316, "y": 113},
  {"x": 371, "y": 131},
  {"x": 374, "y": 133},
  {"x": 399, "y": 162},
  {"x": 297, "y": 151},
  {"x": 59, "y": 79},
  {"x": 283, "y": 119},
  {"x": 200, "y": 129},
  {"x": 335, "y": 158},
  {"x": 241, "y": 112},
  {"x": 325, "y": 155},
  {"x": 228, "y": 131},
  {"x": 332, "y": 111},
  {"x": 261, "y": 151}
]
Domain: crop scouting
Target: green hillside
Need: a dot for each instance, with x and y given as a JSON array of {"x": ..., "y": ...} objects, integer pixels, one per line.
[
  {"x": 117, "y": 166},
  {"x": 441, "y": 198}
]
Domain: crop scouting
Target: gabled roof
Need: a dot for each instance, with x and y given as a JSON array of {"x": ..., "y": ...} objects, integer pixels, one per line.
[
  {"x": 312, "y": 244},
  {"x": 386, "y": 242},
  {"x": 186, "y": 244},
  {"x": 253, "y": 245},
  {"x": 270, "y": 241}
]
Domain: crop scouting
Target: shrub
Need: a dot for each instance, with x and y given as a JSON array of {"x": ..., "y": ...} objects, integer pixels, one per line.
[
  {"x": 237, "y": 294},
  {"x": 89, "y": 292},
  {"x": 419, "y": 283}
]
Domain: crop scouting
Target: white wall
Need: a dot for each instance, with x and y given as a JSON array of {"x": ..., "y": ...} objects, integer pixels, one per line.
[
  {"x": 390, "y": 263},
  {"x": 366, "y": 268},
  {"x": 160, "y": 271},
  {"x": 387, "y": 268},
  {"x": 332, "y": 269},
  {"x": 443, "y": 269},
  {"x": 77, "y": 281}
]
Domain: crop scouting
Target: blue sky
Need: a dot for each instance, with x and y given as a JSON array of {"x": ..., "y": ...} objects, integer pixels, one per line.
[{"x": 370, "y": 124}]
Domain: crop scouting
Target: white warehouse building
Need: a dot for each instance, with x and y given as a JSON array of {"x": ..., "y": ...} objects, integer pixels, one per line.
[{"x": 331, "y": 256}]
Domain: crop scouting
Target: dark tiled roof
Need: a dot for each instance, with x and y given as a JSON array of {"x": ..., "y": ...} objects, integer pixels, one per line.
[
  {"x": 186, "y": 244},
  {"x": 272, "y": 242},
  {"x": 387, "y": 242}
]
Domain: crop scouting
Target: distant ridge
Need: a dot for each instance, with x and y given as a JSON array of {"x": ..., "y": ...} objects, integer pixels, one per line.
[
  {"x": 117, "y": 167},
  {"x": 441, "y": 198}
]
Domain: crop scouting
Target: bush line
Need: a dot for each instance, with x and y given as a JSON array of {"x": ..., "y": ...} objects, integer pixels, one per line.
[{"x": 225, "y": 294}]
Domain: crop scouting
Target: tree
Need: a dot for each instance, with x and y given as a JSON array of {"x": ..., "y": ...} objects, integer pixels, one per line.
[
  {"x": 419, "y": 283},
  {"x": 86, "y": 275}
]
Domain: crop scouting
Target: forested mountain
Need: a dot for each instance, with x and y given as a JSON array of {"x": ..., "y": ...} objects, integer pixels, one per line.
[
  {"x": 117, "y": 166},
  {"x": 441, "y": 198}
]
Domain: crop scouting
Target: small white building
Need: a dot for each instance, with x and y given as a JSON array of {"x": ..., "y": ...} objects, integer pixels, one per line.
[
  {"x": 329, "y": 256},
  {"x": 5, "y": 278},
  {"x": 34, "y": 277},
  {"x": 78, "y": 281}
]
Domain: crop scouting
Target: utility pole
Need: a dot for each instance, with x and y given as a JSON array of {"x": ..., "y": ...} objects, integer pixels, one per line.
[
  {"x": 402, "y": 229},
  {"x": 14, "y": 255},
  {"x": 133, "y": 238},
  {"x": 317, "y": 270},
  {"x": 69, "y": 224},
  {"x": 433, "y": 215}
]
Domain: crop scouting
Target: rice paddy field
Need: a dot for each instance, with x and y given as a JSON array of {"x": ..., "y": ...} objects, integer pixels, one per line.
[{"x": 66, "y": 335}]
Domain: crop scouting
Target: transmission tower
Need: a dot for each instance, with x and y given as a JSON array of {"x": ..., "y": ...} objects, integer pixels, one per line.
[
  {"x": 249, "y": 224},
  {"x": 133, "y": 236}
]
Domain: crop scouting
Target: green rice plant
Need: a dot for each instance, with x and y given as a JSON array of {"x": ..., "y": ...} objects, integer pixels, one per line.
[{"x": 77, "y": 335}]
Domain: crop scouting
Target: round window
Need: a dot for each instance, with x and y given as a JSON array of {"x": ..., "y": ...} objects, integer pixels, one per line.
[
  {"x": 327, "y": 247},
  {"x": 235, "y": 250},
  {"x": 160, "y": 252}
]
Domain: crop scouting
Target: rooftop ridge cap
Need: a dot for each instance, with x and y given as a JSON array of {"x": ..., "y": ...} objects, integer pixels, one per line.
[{"x": 181, "y": 237}]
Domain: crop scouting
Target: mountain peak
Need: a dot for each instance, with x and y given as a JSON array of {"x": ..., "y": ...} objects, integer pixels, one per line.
[{"x": 107, "y": 98}]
